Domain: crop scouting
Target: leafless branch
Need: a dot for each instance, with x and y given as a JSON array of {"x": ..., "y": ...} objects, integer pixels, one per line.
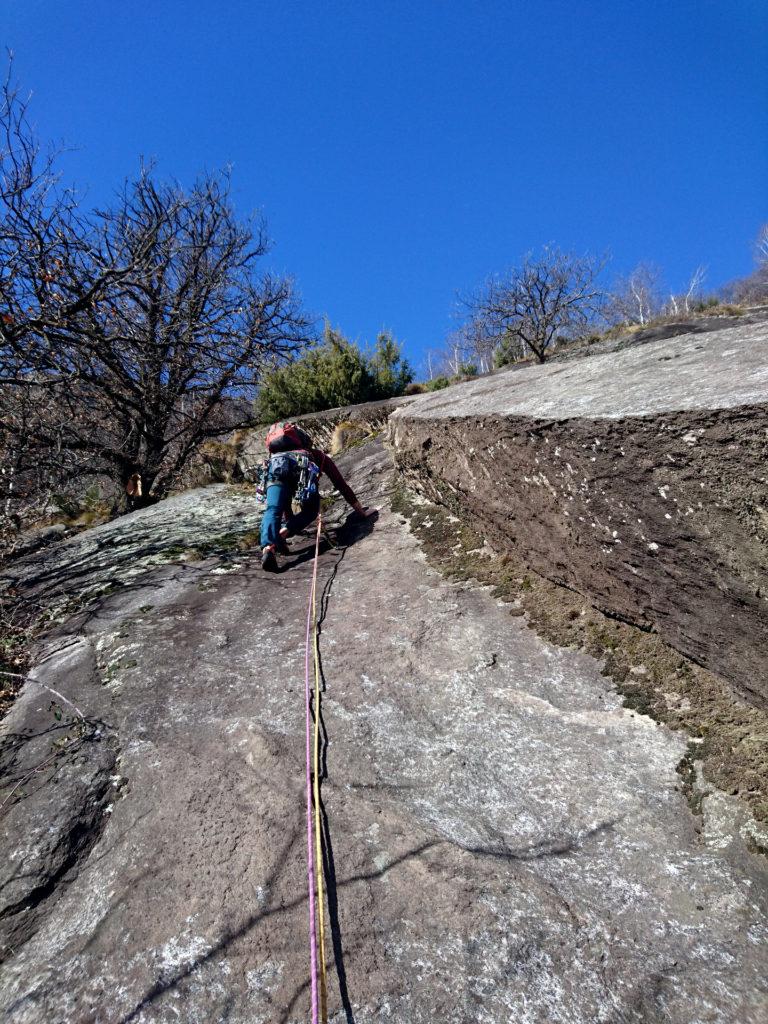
[
  {"x": 551, "y": 296},
  {"x": 128, "y": 335}
]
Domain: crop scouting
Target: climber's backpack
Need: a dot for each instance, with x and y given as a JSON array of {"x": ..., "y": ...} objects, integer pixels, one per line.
[{"x": 287, "y": 437}]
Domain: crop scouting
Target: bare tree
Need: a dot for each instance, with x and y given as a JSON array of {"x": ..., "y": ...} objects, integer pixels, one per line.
[
  {"x": 40, "y": 241},
  {"x": 127, "y": 336},
  {"x": 454, "y": 354},
  {"x": 550, "y": 296},
  {"x": 472, "y": 344},
  {"x": 636, "y": 299},
  {"x": 431, "y": 364},
  {"x": 483, "y": 344},
  {"x": 761, "y": 246},
  {"x": 753, "y": 288},
  {"x": 49, "y": 273},
  {"x": 154, "y": 358},
  {"x": 681, "y": 303}
]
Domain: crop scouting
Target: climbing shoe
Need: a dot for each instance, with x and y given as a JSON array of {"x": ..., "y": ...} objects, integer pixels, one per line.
[
  {"x": 268, "y": 560},
  {"x": 281, "y": 547}
]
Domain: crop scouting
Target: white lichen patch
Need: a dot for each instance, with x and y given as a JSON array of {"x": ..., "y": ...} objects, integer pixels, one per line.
[
  {"x": 181, "y": 951},
  {"x": 224, "y": 570},
  {"x": 264, "y": 977}
]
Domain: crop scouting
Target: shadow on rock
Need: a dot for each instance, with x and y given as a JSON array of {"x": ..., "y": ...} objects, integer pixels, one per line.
[{"x": 353, "y": 529}]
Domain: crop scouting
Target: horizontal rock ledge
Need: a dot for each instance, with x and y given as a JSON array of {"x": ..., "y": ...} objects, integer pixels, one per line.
[{"x": 637, "y": 478}]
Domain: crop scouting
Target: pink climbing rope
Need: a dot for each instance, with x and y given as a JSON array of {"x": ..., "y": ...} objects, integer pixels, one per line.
[{"x": 311, "y": 882}]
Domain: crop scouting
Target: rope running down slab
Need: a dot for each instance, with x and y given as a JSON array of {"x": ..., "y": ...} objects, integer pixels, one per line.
[{"x": 318, "y": 967}]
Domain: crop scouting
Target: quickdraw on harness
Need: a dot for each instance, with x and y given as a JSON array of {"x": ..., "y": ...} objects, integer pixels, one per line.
[
  {"x": 309, "y": 475},
  {"x": 289, "y": 463},
  {"x": 260, "y": 474}
]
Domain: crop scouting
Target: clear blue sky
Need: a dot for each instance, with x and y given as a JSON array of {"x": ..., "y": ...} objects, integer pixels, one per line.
[{"x": 402, "y": 151}]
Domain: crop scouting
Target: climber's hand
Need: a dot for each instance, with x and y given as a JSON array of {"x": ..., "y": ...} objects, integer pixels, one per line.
[{"x": 364, "y": 511}]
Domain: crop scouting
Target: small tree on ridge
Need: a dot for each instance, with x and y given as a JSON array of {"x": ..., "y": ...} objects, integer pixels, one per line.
[{"x": 549, "y": 296}]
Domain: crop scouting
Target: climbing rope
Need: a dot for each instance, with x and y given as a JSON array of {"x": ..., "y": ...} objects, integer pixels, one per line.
[{"x": 317, "y": 961}]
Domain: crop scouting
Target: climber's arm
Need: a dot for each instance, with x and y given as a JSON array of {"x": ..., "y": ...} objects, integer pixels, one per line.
[{"x": 329, "y": 467}]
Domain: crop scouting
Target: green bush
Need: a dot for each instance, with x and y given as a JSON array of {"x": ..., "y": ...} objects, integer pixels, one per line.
[
  {"x": 333, "y": 374},
  {"x": 707, "y": 303},
  {"x": 391, "y": 373},
  {"x": 437, "y": 384}
]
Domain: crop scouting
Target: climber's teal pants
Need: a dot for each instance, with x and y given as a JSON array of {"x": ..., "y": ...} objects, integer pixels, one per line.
[{"x": 279, "y": 498}]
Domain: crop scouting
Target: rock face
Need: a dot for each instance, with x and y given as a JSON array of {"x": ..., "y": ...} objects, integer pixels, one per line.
[
  {"x": 32, "y": 540},
  {"x": 116, "y": 553},
  {"x": 504, "y": 841},
  {"x": 639, "y": 478}
]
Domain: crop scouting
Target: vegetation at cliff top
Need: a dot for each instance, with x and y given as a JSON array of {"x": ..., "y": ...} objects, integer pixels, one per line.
[
  {"x": 553, "y": 298},
  {"x": 335, "y": 373}
]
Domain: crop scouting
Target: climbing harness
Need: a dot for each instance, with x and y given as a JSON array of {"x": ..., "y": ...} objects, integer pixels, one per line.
[
  {"x": 315, "y": 883},
  {"x": 283, "y": 468},
  {"x": 295, "y": 469}
]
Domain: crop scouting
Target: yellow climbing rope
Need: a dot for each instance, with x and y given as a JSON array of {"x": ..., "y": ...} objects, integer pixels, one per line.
[
  {"x": 316, "y": 795},
  {"x": 314, "y": 852}
]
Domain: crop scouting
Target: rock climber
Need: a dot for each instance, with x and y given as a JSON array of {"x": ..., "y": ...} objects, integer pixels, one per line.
[{"x": 291, "y": 481}]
